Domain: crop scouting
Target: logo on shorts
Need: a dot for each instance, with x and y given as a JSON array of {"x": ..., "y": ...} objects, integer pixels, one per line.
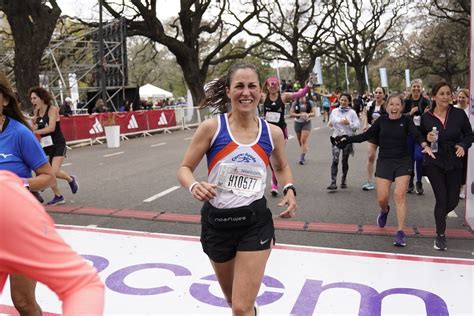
[{"x": 263, "y": 242}]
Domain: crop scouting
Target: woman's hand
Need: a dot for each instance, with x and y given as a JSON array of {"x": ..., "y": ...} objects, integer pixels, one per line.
[
  {"x": 304, "y": 116},
  {"x": 427, "y": 150},
  {"x": 204, "y": 191},
  {"x": 431, "y": 137},
  {"x": 290, "y": 200},
  {"x": 459, "y": 151},
  {"x": 345, "y": 121}
]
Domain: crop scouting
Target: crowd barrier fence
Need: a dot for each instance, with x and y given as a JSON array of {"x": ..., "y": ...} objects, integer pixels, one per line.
[{"x": 89, "y": 129}]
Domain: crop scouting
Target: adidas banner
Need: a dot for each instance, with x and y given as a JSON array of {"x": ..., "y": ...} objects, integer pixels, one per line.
[{"x": 161, "y": 119}]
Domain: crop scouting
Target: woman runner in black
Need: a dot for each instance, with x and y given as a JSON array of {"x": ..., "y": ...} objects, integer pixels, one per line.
[
  {"x": 274, "y": 109},
  {"x": 47, "y": 125},
  {"x": 444, "y": 169},
  {"x": 394, "y": 162}
]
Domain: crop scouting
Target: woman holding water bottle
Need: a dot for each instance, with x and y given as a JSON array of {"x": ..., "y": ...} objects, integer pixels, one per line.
[{"x": 448, "y": 130}]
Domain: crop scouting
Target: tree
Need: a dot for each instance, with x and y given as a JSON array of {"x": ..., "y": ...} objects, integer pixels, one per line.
[
  {"x": 458, "y": 11},
  {"x": 440, "y": 51},
  {"x": 359, "y": 30},
  {"x": 298, "y": 32},
  {"x": 197, "y": 21},
  {"x": 32, "y": 24},
  {"x": 149, "y": 64}
]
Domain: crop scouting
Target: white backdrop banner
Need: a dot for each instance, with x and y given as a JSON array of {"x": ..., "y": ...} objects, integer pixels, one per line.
[{"x": 156, "y": 274}]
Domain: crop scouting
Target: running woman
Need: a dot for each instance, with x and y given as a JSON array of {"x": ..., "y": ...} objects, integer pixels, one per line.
[
  {"x": 274, "y": 110},
  {"x": 237, "y": 226},
  {"x": 463, "y": 104},
  {"x": 394, "y": 162},
  {"x": 415, "y": 105},
  {"x": 344, "y": 121},
  {"x": 303, "y": 110},
  {"x": 47, "y": 125},
  {"x": 31, "y": 246},
  {"x": 444, "y": 169},
  {"x": 373, "y": 111}
]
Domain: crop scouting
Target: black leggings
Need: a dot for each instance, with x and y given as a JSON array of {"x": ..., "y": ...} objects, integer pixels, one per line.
[
  {"x": 345, "y": 161},
  {"x": 446, "y": 185}
]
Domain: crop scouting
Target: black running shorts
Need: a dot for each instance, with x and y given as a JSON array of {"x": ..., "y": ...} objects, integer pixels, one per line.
[
  {"x": 393, "y": 168},
  {"x": 222, "y": 244},
  {"x": 56, "y": 150}
]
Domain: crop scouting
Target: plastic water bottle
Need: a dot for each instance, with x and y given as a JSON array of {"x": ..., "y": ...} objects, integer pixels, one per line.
[{"x": 434, "y": 145}]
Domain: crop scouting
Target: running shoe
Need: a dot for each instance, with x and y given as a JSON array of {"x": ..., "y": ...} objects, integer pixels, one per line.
[
  {"x": 38, "y": 196},
  {"x": 440, "y": 243},
  {"x": 368, "y": 186},
  {"x": 382, "y": 217},
  {"x": 302, "y": 160},
  {"x": 419, "y": 188},
  {"x": 343, "y": 184},
  {"x": 400, "y": 239},
  {"x": 57, "y": 200},
  {"x": 74, "y": 185},
  {"x": 411, "y": 188},
  {"x": 332, "y": 186}
]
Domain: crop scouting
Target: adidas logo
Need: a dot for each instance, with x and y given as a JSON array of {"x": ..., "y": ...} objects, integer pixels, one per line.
[
  {"x": 96, "y": 128},
  {"x": 132, "y": 123},
  {"x": 163, "y": 120}
]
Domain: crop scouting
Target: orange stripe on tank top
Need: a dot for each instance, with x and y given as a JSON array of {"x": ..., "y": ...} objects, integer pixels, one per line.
[
  {"x": 230, "y": 147},
  {"x": 259, "y": 150}
]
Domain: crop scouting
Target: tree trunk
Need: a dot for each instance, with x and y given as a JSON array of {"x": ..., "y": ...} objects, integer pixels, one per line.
[
  {"x": 360, "y": 77},
  {"x": 32, "y": 23}
]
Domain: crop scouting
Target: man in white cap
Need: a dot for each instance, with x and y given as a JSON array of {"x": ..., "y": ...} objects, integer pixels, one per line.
[{"x": 66, "y": 107}]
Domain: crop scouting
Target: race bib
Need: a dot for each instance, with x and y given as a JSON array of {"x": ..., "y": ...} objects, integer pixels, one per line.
[
  {"x": 375, "y": 115},
  {"x": 417, "y": 120},
  {"x": 243, "y": 180},
  {"x": 46, "y": 141},
  {"x": 272, "y": 117}
]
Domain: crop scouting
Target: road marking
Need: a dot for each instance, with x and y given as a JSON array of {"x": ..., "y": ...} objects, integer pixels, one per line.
[
  {"x": 92, "y": 226},
  {"x": 188, "y": 138},
  {"x": 66, "y": 164},
  {"x": 156, "y": 145},
  {"x": 316, "y": 128},
  {"x": 157, "y": 196},
  {"x": 427, "y": 180},
  {"x": 114, "y": 154},
  {"x": 290, "y": 137}
]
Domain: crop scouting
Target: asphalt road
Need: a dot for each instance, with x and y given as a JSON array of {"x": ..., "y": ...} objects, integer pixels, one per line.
[{"x": 141, "y": 175}]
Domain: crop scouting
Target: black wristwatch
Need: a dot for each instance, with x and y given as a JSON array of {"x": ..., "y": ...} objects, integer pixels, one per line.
[{"x": 289, "y": 187}]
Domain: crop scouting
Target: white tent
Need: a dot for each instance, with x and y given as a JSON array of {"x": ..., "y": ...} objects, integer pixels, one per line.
[{"x": 151, "y": 91}]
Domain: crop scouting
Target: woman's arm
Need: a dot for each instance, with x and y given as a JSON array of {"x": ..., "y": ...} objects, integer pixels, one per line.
[
  {"x": 354, "y": 121},
  {"x": 288, "y": 96},
  {"x": 44, "y": 178},
  {"x": 202, "y": 191},
  {"x": 282, "y": 171},
  {"x": 372, "y": 132}
]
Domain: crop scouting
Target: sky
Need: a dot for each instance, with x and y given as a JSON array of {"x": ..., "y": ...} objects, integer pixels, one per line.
[{"x": 89, "y": 9}]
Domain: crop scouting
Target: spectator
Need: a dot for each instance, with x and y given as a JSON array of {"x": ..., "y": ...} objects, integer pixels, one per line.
[
  {"x": 100, "y": 106},
  {"x": 66, "y": 107}
]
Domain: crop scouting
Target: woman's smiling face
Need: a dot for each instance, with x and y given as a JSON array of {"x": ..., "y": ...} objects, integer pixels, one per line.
[
  {"x": 394, "y": 107},
  {"x": 244, "y": 90}
]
